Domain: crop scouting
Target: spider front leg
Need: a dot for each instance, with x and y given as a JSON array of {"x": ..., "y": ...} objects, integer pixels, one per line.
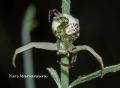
[
  {"x": 57, "y": 16},
  {"x": 63, "y": 53},
  {"x": 73, "y": 57},
  {"x": 40, "y": 45},
  {"x": 97, "y": 56},
  {"x": 53, "y": 12}
]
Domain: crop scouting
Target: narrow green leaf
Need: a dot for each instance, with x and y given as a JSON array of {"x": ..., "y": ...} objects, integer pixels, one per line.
[
  {"x": 55, "y": 76},
  {"x": 79, "y": 80}
]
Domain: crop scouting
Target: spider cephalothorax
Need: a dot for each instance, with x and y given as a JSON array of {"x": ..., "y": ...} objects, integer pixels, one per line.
[{"x": 64, "y": 26}]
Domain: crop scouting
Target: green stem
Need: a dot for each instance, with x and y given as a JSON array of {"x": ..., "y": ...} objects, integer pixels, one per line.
[
  {"x": 64, "y": 69},
  {"x": 66, "y": 6},
  {"x": 64, "y": 73}
]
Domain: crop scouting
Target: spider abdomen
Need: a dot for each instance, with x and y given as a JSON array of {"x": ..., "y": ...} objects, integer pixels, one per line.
[
  {"x": 73, "y": 24},
  {"x": 65, "y": 27},
  {"x": 72, "y": 28}
]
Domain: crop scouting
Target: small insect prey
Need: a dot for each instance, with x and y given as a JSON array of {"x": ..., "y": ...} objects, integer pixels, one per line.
[{"x": 66, "y": 29}]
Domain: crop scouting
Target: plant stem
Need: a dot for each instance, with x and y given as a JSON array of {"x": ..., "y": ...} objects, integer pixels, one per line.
[
  {"x": 64, "y": 72},
  {"x": 25, "y": 37},
  {"x": 64, "y": 69},
  {"x": 66, "y": 6}
]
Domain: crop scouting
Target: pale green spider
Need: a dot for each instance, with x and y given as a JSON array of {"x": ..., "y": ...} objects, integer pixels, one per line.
[{"x": 66, "y": 29}]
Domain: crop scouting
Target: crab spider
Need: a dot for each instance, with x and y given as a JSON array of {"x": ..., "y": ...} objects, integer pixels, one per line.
[{"x": 66, "y": 29}]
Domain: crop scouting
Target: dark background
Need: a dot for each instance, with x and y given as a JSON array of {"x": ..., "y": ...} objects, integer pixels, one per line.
[{"x": 99, "y": 22}]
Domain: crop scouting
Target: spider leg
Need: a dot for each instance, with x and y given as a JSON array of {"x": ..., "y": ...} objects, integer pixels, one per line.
[
  {"x": 49, "y": 15},
  {"x": 53, "y": 12},
  {"x": 74, "y": 58},
  {"x": 61, "y": 63},
  {"x": 62, "y": 53},
  {"x": 56, "y": 12},
  {"x": 61, "y": 19},
  {"x": 58, "y": 16},
  {"x": 97, "y": 56},
  {"x": 42, "y": 45}
]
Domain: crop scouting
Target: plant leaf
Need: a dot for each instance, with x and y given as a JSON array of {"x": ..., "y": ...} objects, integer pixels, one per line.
[
  {"x": 55, "y": 76},
  {"x": 79, "y": 80}
]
